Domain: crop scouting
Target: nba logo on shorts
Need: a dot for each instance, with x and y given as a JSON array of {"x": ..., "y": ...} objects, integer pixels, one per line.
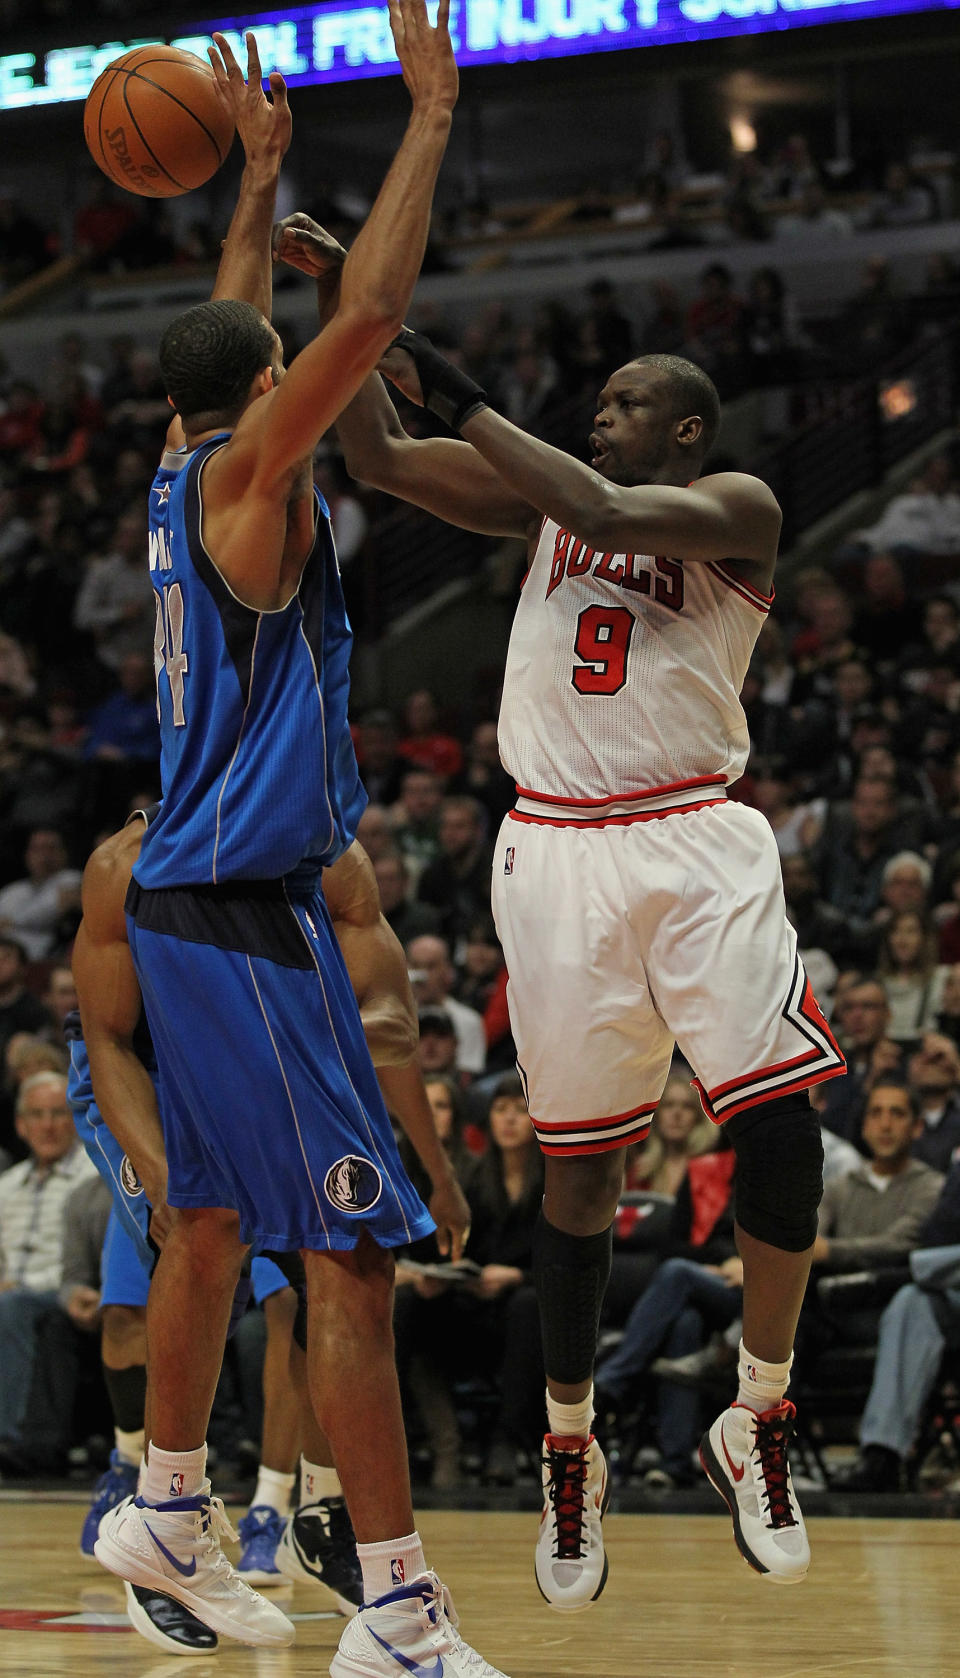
[
  {"x": 176, "y": 1485},
  {"x": 508, "y": 859},
  {"x": 396, "y": 1571}
]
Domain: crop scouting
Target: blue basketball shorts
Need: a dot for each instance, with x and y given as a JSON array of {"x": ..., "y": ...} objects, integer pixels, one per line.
[
  {"x": 268, "y": 1279},
  {"x": 268, "y": 1097},
  {"x": 124, "y": 1279},
  {"x": 130, "y": 1203}
]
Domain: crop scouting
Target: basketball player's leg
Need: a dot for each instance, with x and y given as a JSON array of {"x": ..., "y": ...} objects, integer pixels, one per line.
[{"x": 262, "y": 1527}]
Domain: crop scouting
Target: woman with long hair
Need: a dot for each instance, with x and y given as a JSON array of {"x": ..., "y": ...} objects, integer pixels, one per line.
[{"x": 911, "y": 975}]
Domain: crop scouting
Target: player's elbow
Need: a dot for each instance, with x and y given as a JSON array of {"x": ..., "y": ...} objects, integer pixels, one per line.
[{"x": 391, "y": 1035}]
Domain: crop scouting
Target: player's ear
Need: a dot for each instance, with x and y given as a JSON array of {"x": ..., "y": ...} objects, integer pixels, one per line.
[{"x": 689, "y": 431}]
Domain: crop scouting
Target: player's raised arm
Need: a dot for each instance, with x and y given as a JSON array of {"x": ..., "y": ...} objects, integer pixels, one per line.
[
  {"x": 441, "y": 475},
  {"x": 110, "y": 1005},
  {"x": 265, "y": 128},
  {"x": 378, "y": 276}
]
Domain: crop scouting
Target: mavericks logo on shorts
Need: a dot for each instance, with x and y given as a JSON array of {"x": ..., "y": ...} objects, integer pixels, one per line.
[
  {"x": 353, "y": 1184},
  {"x": 128, "y": 1177}
]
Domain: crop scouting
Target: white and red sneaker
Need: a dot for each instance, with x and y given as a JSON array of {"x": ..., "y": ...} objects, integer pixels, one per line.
[
  {"x": 571, "y": 1565},
  {"x": 744, "y": 1455}
]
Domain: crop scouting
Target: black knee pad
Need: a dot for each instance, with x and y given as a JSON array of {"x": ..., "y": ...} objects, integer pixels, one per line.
[
  {"x": 779, "y": 1179},
  {"x": 571, "y": 1273}
]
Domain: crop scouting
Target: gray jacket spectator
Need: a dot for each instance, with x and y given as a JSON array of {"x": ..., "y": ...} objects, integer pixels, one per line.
[
  {"x": 872, "y": 1217},
  {"x": 30, "y": 909}
]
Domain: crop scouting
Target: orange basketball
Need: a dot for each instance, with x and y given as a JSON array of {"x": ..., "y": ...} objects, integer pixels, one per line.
[{"x": 154, "y": 124}]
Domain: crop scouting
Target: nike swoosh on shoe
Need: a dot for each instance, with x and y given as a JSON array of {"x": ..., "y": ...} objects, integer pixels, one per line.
[
  {"x": 737, "y": 1473},
  {"x": 418, "y": 1670},
  {"x": 187, "y": 1572}
]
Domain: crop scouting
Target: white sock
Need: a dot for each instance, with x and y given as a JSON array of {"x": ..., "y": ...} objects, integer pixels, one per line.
[
  {"x": 762, "y": 1385},
  {"x": 142, "y": 1476},
  {"x": 129, "y": 1446},
  {"x": 172, "y": 1474},
  {"x": 317, "y": 1482},
  {"x": 390, "y": 1565},
  {"x": 273, "y": 1489},
  {"x": 570, "y": 1421}
]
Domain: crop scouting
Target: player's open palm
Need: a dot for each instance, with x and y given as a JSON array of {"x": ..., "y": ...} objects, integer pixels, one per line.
[
  {"x": 425, "y": 53},
  {"x": 265, "y": 128}
]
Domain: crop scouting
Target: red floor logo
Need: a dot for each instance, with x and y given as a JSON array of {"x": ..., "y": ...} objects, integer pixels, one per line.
[{"x": 55, "y": 1619}]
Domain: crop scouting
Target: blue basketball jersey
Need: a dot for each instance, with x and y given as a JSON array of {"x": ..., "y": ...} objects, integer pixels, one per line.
[{"x": 259, "y": 775}]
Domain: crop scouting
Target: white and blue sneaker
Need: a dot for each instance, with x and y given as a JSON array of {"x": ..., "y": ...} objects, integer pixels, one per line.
[
  {"x": 260, "y": 1533},
  {"x": 410, "y": 1631},
  {"x": 117, "y": 1483},
  {"x": 174, "y": 1548}
]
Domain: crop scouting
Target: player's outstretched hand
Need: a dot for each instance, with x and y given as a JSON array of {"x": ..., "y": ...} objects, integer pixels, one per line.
[
  {"x": 425, "y": 53},
  {"x": 451, "y": 1214},
  {"x": 302, "y": 243},
  {"x": 264, "y": 128}
]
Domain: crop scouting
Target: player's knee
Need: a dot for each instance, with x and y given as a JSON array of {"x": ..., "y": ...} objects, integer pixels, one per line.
[
  {"x": 581, "y": 1191},
  {"x": 123, "y": 1335},
  {"x": 779, "y": 1180}
]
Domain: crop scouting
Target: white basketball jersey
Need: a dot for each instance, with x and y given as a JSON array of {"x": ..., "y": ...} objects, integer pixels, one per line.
[{"x": 624, "y": 673}]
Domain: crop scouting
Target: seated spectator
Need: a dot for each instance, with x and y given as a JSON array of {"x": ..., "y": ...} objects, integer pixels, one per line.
[
  {"x": 437, "y": 1047},
  {"x": 924, "y": 519},
  {"x": 796, "y": 826},
  {"x": 20, "y": 1010},
  {"x": 415, "y": 818},
  {"x": 482, "y": 964},
  {"x": 116, "y": 601},
  {"x": 33, "y": 1196},
  {"x": 408, "y": 918},
  {"x": 794, "y": 170},
  {"x": 381, "y": 767},
  {"x": 123, "y": 740},
  {"x": 611, "y": 329},
  {"x": 934, "y": 1071},
  {"x": 911, "y": 978},
  {"x": 423, "y": 743},
  {"x": 59, "y": 999},
  {"x": 861, "y": 1016},
  {"x": 817, "y": 924},
  {"x": 715, "y": 328},
  {"x": 530, "y": 389},
  {"x": 32, "y": 909},
  {"x": 679, "y": 1132},
  {"x": 886, "y": 615},
  {"x": 457, "y": 884},
  {"x": 938, "y": 643},
  {"x": 432, "y": 977},
  {"x": 871, "y": 326},
  {"x": 483, "y": 776},
  {"x": 872, "y": 1216},
  {"x": 905, "y": 200},
  {"x": 858, "y": 842},
  {"x": 948, "y": 1020},
  {"x": 375, "y": 831},
  {"x": 905, "y": 885},
  {"x": 813, "y": 218},
  {"x": 922, "y": 1318},
  {"x": 771, "y": 328}
]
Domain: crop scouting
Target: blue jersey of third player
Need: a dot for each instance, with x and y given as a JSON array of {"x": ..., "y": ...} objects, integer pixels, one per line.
[{"x": 258, "y": 768}]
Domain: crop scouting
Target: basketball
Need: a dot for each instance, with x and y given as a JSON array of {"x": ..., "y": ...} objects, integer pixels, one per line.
[{"x": 153, "y": 122}]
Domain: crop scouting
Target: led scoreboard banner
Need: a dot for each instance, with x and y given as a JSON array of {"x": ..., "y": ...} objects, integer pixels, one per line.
[{"x": 347, "y": 39}]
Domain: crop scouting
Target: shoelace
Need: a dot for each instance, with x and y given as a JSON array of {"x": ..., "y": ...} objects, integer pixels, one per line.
[
  {"x": 770, "y": 1447},
  {"x": 567, "y": 1478},
  {"x": 213, "y": 1527}
]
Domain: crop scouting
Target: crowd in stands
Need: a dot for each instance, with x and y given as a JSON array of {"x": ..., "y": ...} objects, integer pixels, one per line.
[{"x": 853, "y": 705}]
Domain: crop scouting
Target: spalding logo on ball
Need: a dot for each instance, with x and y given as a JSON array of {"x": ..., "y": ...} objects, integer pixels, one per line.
[{"x": 154, "y": 124}]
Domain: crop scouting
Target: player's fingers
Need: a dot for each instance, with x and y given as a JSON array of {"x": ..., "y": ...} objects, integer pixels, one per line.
[
  {"x": 217, "y": 64},
  {"x": 278, "y": 89},
  {"x": 443, "y": 17},
  {"x": 416, "y": 15},
  {"x": 254, "y": 69},
  {"x": 443, "y": 1241},
  {"x": 397, "y": 26},
  {"x": 226, "y": 53}
]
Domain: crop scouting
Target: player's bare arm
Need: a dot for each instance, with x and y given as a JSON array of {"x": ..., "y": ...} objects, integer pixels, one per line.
[
  {"x": 110, "y": 1007},
  {"x": 377, "y": 968},
  {"x": 728, "y": 516},
  {"x": 440, "y": 474},
  {"x": 265, "y": 128},
  {"x": 248, "y": 484}
]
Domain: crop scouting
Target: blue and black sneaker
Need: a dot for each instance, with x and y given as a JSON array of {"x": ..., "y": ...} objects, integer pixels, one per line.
[
  {"x": 117, "y": 1482},
  {"x": 260, "y": 1532}
]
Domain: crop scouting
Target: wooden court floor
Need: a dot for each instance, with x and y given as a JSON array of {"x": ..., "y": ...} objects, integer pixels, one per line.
[{"x": 880, "y": 1602}]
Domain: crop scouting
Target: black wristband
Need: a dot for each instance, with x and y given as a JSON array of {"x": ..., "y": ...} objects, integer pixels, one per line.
[{"x": 449, "y": 393}]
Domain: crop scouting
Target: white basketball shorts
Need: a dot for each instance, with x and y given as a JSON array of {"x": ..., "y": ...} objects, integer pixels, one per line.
[{"x": 627, "y": 928}]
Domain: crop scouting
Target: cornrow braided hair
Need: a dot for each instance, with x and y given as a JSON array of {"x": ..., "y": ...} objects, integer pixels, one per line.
[{"x": 210, "y": 355}]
